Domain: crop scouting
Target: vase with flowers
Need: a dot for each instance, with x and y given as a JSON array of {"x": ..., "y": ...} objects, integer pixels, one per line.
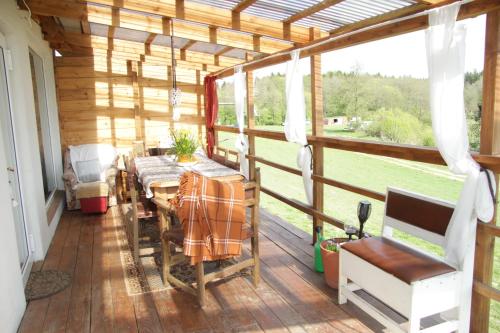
[{"x": 185, "y": 145}]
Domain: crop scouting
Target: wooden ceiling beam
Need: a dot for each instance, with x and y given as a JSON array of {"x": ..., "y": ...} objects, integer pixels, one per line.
[
  {"x": 150, "y": 38},
  {"x": 224, "y": 50},
  {"x": 188, "y": 44},
  {"x": 311, "y": 10},
  {"x": 190, "y": 11},
  {"x": 242, "y": 5},
  {"x": 85, "y": 25}
]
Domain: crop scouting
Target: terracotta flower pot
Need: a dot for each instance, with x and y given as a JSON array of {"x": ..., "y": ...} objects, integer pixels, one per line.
[{"x": 331, "y": 263}]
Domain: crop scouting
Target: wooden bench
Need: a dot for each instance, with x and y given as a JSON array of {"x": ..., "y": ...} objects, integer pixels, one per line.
[{"x": 414, "y": 283}]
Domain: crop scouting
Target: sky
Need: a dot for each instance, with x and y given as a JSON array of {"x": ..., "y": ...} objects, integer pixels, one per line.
[{"x": 402, "y": 55}]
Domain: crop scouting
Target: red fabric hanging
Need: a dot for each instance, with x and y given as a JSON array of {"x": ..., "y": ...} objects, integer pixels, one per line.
[{"x": 211, "y": 111}]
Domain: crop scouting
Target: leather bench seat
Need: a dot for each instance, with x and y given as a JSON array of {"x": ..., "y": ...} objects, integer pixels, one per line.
[{"x": 396, "y": 259}]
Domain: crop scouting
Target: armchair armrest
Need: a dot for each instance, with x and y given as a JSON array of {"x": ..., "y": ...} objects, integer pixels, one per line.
[{"x": 69, "y": 178}]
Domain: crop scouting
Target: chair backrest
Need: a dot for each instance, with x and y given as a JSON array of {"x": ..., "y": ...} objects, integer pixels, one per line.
[
  {"x": 416, "y": 214},
  {"x": 252, "y": 191},
  {"x": 225, "y": 158}
]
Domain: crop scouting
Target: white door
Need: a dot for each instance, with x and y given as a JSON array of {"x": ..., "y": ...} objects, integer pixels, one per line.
[{"x": 6, "y": 129}]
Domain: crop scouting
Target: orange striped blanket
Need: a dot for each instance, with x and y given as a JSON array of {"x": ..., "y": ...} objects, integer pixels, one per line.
[{"x": 212, "y": 214}]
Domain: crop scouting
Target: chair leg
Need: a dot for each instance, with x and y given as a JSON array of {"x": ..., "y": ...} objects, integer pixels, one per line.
[
  {"x": 255, "y": 221},
  {"x": 165, "y": 245},
  {"x": 342, "y": 282},
  {"x": 135, "y": 236},
  {"x": 255, "y": 255},
  {"x": 200, "y": 280}
]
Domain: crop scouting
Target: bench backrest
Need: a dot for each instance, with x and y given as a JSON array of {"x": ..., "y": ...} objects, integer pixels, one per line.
[{"x": 421, "y": 216}]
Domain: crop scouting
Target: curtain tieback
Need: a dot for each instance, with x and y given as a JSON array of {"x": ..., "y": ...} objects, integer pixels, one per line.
[
  {"x": 308, "y": 146},
  {"x": 490, "y": 184}
]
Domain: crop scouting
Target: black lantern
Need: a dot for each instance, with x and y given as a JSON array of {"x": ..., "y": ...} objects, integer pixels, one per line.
[{"x": 364, "y": 210}]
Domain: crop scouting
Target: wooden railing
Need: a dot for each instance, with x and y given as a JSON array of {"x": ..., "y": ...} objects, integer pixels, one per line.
[
  {"x": 411, "y": 153},
  {"x": 489, "y": 156}
]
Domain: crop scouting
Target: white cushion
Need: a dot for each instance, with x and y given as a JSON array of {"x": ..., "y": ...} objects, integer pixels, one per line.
[{"x": 89, "y": 171}]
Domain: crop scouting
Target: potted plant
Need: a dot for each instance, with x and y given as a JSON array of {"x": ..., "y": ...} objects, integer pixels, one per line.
[
  {"x": 184, "y": 145},
  {"x": 330, "y": 255}
]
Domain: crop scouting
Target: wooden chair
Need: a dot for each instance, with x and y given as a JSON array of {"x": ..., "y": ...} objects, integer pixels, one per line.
[
  {"x": 140, "y": 210},
  {"x": 224, "y": 158},
  {"x": 414, "y": 283},
  {"x": 173, "y": 236}
]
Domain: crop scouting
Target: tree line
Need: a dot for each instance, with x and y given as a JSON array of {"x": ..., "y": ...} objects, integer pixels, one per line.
[{"x": 388, "y": 108}]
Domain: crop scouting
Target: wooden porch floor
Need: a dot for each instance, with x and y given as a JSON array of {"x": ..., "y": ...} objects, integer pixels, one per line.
[{"x": 290, "y": 298}]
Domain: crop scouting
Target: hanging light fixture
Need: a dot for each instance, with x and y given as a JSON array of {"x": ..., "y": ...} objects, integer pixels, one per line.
[{"x": 175, "y": 92}]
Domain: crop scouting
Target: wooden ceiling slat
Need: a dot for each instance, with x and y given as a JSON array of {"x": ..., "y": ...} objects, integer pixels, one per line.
[
  {"x": 224, "y": 50},
  {"x": 244, "y": 4},
  {"x": 188, "y": 44},
  {"x": 311, "y": 10}
]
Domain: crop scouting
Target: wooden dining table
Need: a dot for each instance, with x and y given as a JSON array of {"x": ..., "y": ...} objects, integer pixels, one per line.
[{"x": 160, "y": 175}]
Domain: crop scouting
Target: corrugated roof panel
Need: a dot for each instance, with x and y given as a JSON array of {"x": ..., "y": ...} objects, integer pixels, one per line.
[
  {"x": 70, "y": 24},
  {"x": 224, "y": 4},
  {"x": 235, "y": 53},
  {"x": 99, "y": 29},
  {"x": 131, "y": 35},
  {"x": 345, "y": 12},
  {"x": 163, "y": 40},
  {"x": 206, "y": 47}
]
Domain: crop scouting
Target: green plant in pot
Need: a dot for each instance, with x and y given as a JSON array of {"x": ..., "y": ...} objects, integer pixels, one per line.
[
  {"x": 184, "y": 144},
  {"x": 330, "y": 254}
]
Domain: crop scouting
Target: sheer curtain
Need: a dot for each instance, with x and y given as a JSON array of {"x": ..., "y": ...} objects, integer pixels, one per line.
[
  {"x": 239, "y": 104},
  {"x": 295, "y": 122},
  {"x": 445, "y": 41},
  {"x": 211, "y": 111}
]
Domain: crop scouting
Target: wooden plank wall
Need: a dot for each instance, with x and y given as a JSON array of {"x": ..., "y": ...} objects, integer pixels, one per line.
[{"x": 104, "y": 99}]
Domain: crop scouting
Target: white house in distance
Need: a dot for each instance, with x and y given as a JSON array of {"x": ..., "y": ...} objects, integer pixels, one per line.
[{"x": 338, "y": 121}]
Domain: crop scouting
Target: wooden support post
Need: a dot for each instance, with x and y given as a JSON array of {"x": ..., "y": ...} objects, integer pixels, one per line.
[
  {"x": 317, "y": 130},
  {"x": 250, "y": 124},
  {"x": 490, "y": 145}
]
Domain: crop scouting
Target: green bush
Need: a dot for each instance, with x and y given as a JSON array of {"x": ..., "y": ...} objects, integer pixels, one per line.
[{"x": 397, "y": 126}]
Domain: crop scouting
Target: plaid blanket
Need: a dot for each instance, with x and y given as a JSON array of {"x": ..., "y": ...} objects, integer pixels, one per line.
[{"x": 212, "y": 216}]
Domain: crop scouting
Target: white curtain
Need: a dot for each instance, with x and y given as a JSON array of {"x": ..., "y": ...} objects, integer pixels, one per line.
[
  {"x": 239, "y": 104},
  {"x": 445, "y": 41},
  {"x": 295, "y": 122}
]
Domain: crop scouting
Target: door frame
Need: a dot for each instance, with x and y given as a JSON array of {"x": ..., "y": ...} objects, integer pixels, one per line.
[{"x": 25, "y": 271}]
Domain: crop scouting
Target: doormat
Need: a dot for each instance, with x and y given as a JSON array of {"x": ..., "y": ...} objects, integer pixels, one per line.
[{"x": 43, "y": 284}]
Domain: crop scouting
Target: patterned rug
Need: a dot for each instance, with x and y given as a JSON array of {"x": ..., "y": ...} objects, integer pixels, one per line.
[
  {"x": 43, "y": 284},
  {"x": 146, "y": 277}
]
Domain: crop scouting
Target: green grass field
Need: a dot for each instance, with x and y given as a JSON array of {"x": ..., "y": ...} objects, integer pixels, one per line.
[{"x": 372, "y": 172}]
